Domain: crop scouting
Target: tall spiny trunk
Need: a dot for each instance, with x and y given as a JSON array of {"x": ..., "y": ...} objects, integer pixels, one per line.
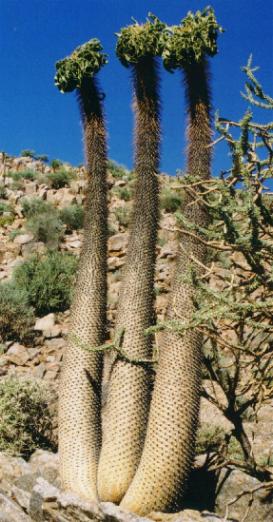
[
  {"x": 169, "y": 447},
  {"x": 79, "y": 402},
  {"x": 130, "y": 384}
]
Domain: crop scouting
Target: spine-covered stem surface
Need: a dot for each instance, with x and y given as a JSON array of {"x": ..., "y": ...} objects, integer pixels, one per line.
[
  {"x": 128, "y": 398},
  {"x": 169, "y": 447},
  {"x": 79, "y": 402}
]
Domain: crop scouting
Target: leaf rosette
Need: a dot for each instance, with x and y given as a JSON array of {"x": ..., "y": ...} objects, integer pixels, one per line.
[
  {"x": 82, "y": 64},
  {"x": 190, "y": 41},
  {"x": 138, "y": 41}
]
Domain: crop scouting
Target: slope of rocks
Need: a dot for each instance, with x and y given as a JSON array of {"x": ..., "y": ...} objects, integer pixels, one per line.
[{"x": 30, "y": 490}]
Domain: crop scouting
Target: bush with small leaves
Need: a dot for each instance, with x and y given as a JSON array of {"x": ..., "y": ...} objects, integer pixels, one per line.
[
  {"x": 60, "y": 178},
  {"x": 34, "y": 206},
  {"x": 72, "y": 217},
  {"x": 25, "y": 417},
  {"x": 116, "y": 170},
  {"x": 27, "y": 153},
  {"x": 209, "y": 438},
  {"x": 56, "y": 164},
  {"x": 29, "y": 175},
  {"x": 47, "y": 228},
  {"x": 16, "y": 316},
  {"x": 123, "y": 193},
  {"x": 47, "y": 281},
  {"x": 3, "y": 191},
  {"x": 123, "y": 215},
  {"x": 43, "y": 221},
  {"x": 170, "y": 201},
  {"x": 4, "y": 207}
]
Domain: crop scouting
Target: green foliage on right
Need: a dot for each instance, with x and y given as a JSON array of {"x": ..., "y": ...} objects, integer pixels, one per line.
[
  {"x": 170, "y": 201},
  {"x": 72, "y": 217},
  {"x": 43, "y": 221},
  {"x": 16, "y": 316},
  {"x": 47, "y": 281},
  {"x": 60, "y": 178},
  {"x": 25, "y": 417}
]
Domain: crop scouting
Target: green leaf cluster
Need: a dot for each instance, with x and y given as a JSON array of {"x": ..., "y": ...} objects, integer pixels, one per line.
[
  {"x": 47, "y": 281},
  {"x": 16, "y": 316},
  {"x": 139, "y": 41},
  {"x": 190, "y": 41},
  {"x": 26, "y": 422},
  {"x": 81, "y": 65}
]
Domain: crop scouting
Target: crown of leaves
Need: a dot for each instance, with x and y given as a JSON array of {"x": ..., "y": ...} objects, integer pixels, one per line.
[
  {"x": 139, "y": 41},
  {"x": 190, "y": 41},
  {"x": 83, "y": 63}
]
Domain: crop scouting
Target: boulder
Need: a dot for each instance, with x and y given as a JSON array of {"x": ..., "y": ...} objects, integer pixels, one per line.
[
  {"x": 10, "y": 511},
  {"x": 45, "y": 323},
  {"x": 18, "y": 354},
  {"x": 118, "y": 242},
  {"x": 250, "y": 507}
]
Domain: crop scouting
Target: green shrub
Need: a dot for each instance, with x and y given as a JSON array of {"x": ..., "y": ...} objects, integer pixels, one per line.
[
  {"x": 47, "y": 228},
  {"x": 72, "y": 217},
  {"x": 3, "y": 191},
  {"x": 123, "y": 215},
  {"x": 170, "y": 201},
  {"x": 43, "y": 221},
  {"x": 209, "y": 438},
  {"x": 6, "y": 214},
  {"x": 6, "y": 220},
  {"x": 16, "y": 316},
  {"x": 56, "y": 164},
  {"x": 34, "y": 206},
  {"x": 30, "y": 175},
  {"x": 123, "y": 193},
  {"x": 27, "y": 153},
  {"x": 47, "y": 281},
  {"x": 117, "y": 171},
  {"x": 5, "y": 207},
  {"x": 25, "y": 417},
  {"x": 59, "y": 178}
]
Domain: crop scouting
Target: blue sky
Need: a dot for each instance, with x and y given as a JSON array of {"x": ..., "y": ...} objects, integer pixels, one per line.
[{"x": 34, "y": 34}]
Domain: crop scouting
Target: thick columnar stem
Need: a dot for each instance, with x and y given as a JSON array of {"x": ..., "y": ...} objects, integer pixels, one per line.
[
  {"x": 79, "y": 402},
  {"x": 169, "y": 445},
  {"x": 130, "y": 384}
]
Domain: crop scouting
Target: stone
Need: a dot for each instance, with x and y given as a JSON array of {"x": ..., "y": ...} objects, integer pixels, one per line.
[
  {"x": 113, "y": 511},
  {"x": 10, "y": 511},
  {"x": 12, "y": 467},
  {"x": 114, "y": 263},
  {"x": 23, "y": 239},
  {"x": 118, "y": 242},
  {"x": 21, "y": 496},
  {"x": 55, "y": 331},
  {"x": 18, "y": 354},
  {"x": 45, "y": 323},
  {"x": 56, "y": 343},
  {"x": 72, "y": 244},
  {"x": 30, "y": 187},
  {"x": 232, "y": 482},
  {"x": 39, "y": 371}
]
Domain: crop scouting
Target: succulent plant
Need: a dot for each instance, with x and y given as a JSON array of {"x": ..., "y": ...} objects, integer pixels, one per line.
[
  {"x": 138, "y": 41},
  {"x": 83, "y": 63},
  {"x": 190, "y": 41}
]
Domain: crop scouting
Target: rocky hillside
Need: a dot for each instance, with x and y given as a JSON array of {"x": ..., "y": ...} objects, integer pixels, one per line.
[{"x": 41, "y": 236}]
